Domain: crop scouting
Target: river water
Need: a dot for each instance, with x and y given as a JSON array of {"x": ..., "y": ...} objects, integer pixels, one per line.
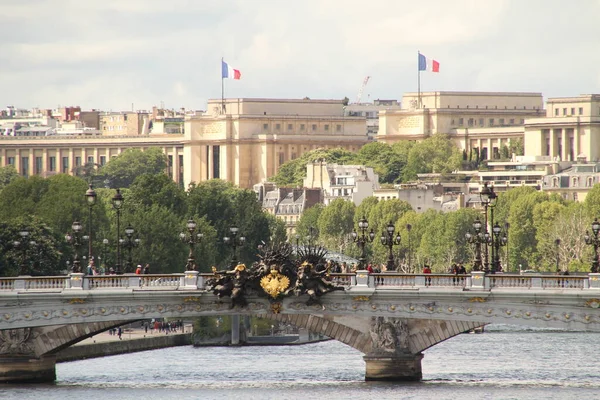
[{"x": 503, "y": 363}]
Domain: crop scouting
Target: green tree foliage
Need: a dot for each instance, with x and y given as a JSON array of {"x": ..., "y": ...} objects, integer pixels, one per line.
[
  {"x": 7, "y": 175},
  {"x": 435, "y": 154},
  {"x": 293, "y": 172},
  {"x": 592, "y": 202},
  {"x": 309, "y": 219},
  {"x": 383, "y": 159},
  {"x": 335, "y": 224},
  {"x": 122, "y": 170},
  {"x": 158, "y": 189}
]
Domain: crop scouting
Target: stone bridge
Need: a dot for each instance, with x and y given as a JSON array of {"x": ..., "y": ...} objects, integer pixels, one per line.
[{"x": 391, "y": 318}]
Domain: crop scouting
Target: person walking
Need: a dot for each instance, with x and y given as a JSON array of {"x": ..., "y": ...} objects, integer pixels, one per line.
[
  {"x": 138, "y": 270},
  {"x": 146, "y": 269}
]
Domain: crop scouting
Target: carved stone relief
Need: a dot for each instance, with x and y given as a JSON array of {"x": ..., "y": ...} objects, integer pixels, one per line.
[
  {"x": 389, "y": 335},
  {"x": 16, "y": 341}
]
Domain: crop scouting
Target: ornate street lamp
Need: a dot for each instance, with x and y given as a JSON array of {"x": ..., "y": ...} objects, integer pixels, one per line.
[
  {"x": 388, "y": 239},
  {"x": 488, "y": 200},
  {"x": 506, "y": 228},
  {"x": 362, "y": 239},
  {"x": 191, "y": 238},
  {"x": 235, "y": 240},
  {"x": 24, "y": 243},
  {"x": 497, "y": 241},
  {"x": 74, "y": 238},
  {"x": 557, "y": 244},
  {"x": 129, "y": 242},
  {"x": 408, "y": 228},
  {"x": 593, "y": 241},
  {"x": 477, "y": 239},
  {"x": 104, "y": 246},
  {"x": 117, "y": 203},
  {"x": 90, "y": 196}
]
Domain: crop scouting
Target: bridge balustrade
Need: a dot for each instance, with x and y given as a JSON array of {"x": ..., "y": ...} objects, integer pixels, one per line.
[
  {"x": 510, "y": 281},
  {"x": 160, "y": 281},
  {"x": 558, "y": 282},
  {"x": 7, "y": 283},
  {"x": 107, "y": 281},
  {"x": 46, "y": 282},
  {"x": 342, "y": 279},
  {"x": 387, "y": 280}
]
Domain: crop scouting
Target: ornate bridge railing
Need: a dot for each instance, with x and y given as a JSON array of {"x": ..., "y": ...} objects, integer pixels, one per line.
[{"x": 382, "y": 281}]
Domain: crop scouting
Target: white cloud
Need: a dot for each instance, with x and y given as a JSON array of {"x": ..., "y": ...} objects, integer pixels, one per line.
[{"x": 110, "y": 53}]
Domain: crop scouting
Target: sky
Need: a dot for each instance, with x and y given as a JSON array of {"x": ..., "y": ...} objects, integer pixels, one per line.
[{"x": 123, "y": 54}]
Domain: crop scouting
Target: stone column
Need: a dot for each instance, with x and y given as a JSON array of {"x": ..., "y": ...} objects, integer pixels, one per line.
[
  {"x": 390, "y": 358},
  {"x": 235, "y": 330}
]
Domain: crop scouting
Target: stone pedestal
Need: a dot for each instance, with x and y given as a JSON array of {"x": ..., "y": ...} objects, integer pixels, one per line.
[
  {"x": 235, "y": 330},
  {"x": 189, "y": 280},
  {"x": 397, "y": 367},
  {"x": 23, "y": 369}
]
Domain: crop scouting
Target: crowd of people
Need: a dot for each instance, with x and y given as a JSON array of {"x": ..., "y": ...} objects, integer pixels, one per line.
[{"x": 92, "y": 269}]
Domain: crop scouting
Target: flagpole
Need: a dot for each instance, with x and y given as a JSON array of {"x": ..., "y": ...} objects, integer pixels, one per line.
[
  {"x": 419, "y": 79},
  {"x": 222, "y": 89}
]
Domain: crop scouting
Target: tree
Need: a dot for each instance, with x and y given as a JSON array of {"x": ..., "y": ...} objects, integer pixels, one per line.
[
  {"x": 435, "y": 154},
  {"x": 7, "y": 175},
  {"x": 592, "y": 202},
  {"x": 158, "y": 189},
  {"x": 309, "y": 219},
  {"x": 383, "y": 159},
  {"x": 335, "y": 224},
  {"x": 122, "y": 170}
]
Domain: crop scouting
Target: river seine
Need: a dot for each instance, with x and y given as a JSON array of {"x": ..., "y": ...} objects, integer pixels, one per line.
[{"x": 502, "y": 363}]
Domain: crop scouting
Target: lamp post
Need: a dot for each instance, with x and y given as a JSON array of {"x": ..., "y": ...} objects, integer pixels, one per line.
[
  {"x": 497, "y": 241},
  {"x": 506, "y": 228},
  {"x": 129, "y": 242},
  {"x": 104, "y": 246},
  {"x": 235, "y": 240},
  {"x": 488, "y": 198},
  {"x": 477, "y": 239},
  {"x": 191, "y": 238},
  {"x": 557, "y": 244},
  {"x": 311, "y": 236},
  {"x": 408, "y": 228},
  {"x": 593, "y": 241},
  {"x": 117, "y": 203},
  {"x": 362, "y": 239},
  {"x": 74, "y": 238},
  {"x": 388, "y": 239},
  {"x": 90, "y": 196},
  {"x": 23, "y": 243}
]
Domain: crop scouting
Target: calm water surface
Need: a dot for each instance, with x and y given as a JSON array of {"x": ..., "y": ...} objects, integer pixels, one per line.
[{"x": 503, "y": 363}]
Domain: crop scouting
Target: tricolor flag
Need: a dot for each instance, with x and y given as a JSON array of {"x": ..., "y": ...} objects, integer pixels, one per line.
[
  {"x": 228, "y": 72},
  {"x": 427, "y": 64}
]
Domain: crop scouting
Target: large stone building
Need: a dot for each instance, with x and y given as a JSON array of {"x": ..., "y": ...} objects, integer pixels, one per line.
[
  {"x": 250, "y": 139},
  {"x": 245, "y": 145},
  {"x": 480, "y": 121}
]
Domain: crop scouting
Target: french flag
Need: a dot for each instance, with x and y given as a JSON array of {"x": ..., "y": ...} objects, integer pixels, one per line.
[
  {"x": 228, "y": 72},
  {"x": 427, "y": 64}
]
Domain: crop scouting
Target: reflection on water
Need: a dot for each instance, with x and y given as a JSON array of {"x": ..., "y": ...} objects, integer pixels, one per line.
[{"x": 504, "y": 362}]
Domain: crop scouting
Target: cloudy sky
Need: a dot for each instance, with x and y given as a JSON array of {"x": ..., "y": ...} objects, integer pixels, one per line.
[{"x": 109, "y": 54}]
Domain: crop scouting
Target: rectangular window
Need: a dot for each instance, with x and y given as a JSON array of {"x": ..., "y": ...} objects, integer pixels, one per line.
[
  {"x": 25, "y": 166},
  {"x": 314, "y": 127},
  {"x": 556, "y": 112},
  {"x": 471, "y": 121},
  {"x": 293, "y": 156},
  {"x": 265, "y": 127},
  {"x": 338, "y": 128},
  {"x": 301, "y": 127},
  {"x": 65, "y": 165},
  {"x": 580, "y": 110},
  {"x": 501, "y": 121},
  {"x": 290, "y": 127},
  {"x": 78, "y": 161},
  {"x": 564, "y": 111},
  {"x": 326, "y": 127},
  {"x": 10, "y": 161},
  {"x": 461, "y": 121},
  {"x": 572, "y": 110},
  {"x": 170, "y": 166},
  {"x": 277, "y": 126},
  {"x": 90, "y": 160},
  {"x": 38, "y": 166},
  {"x": 512, "y": 121},
  {"x": 180, "y": 177},
  {"x": 281, "y": 158},
  {"x": 491, "y": 121},
  {"x": 522, "y": 121},
  {"x": 102, "y": 160},
  {"x": 480, "y": 121},
  {"x": 52, "y": 164}
]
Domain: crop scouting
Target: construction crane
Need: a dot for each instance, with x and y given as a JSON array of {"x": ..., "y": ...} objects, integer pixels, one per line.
[{"x": 362, "y": 88}]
